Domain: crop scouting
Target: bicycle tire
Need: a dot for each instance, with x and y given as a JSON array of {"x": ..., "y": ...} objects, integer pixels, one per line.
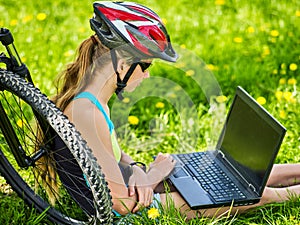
[{"x": 24, "y": 183}]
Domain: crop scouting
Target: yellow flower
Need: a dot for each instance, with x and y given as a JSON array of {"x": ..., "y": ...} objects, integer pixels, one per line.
[
  {"x": 287, "y": 95},
  {"x": 292, "y": 81},
  {"x": 274, "y": 33},
  {"x": 41, "y": 16},
  {"x": 160, "y": 105},
  {"x": 172, "y": 95},
  {"x": 20, "y": 123},
  {"x": 164, "y": 21},
  {"x": 190, "y": 73},
  {"x": 266, "y": 51},
  {"x": 68, "y": 53},
  {"x": 282, "y": 72},
  {"x": 298, "y": 13},
  {"x": 238, "y": 40},
  {"x": 278, "y": 94},
  {"x": 282, "y": 114},
  {"x": 261, "y": 100},
  {"x": 221, "y": 98},
  {"x": 183, "y": 46},
  {"x": 27, "y": 18},
  {"x": 275, "y": 71},
  {"x": 153, "y": 213},
  {"x": 13, "y": 22},
  {"x": 210, "y": 66},
  {"x": 220, "y": 2},
  {"x": 293, "y": 66},
  {"x": 250, "y": 30},
  {"x": 133, "y": 120},
  {"x": 81, "y": 30},
  {"x": 126, "y": 100},
  {"x": 180, "y": 65},
  {"x": 282, "y": 81}
]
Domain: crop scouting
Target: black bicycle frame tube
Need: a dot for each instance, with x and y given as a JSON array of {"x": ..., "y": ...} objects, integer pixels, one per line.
[{"x": 12, "y": 139}]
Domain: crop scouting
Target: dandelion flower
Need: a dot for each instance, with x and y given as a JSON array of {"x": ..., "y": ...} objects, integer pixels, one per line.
[
  {"x": 293, "y": 66},
  {"x": 274, "y": 33},
  {"x": 190, "y": 73},
  {"x": 238, "y": 40},
  {"x": 266, "y": 51},
  {"x": 27, "y": 18},
  {"x": 153, "y": 213},
  {"x": 164, "y": 21},
  {"x": 126, "y": 100},
  {"x": 275, "y": 71},
  {"x": 20, "y": 123},
  {"x": 211, "y": 67},
  {"x": 180, "y": 65},
  {"x": 282, "y": 114},
  {"x": 81, "y": 30},
  {"x": 278, "y": 94},
  {"x": 250, "y": 30},
  {"x": 292, "y": 81},
  {"x": 287, "y": 95},
  {"x": 221, "y": 98},
  {"x": 283, "y": 66},
  {"x": 298, "y": 13},
  {"x": 13, "y": 22},
  {"x": 160, "y": 105},
  {"x": 220, "y": 2},
  {"x": 183, "y": 46},
  {"x": 41, "y": 16},
  {"x": 261, "y": 100},
  {"x": 68, "y": 53},
  {"x": 282, "y": 81},
  {"x": 133, "y": 120}
]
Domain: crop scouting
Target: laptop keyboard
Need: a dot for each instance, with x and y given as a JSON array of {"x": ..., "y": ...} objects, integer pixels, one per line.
[{"x": 211, "y": 177}]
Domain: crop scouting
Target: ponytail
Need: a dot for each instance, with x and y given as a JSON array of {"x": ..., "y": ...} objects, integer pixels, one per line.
[{"x": 79, "y": 73}]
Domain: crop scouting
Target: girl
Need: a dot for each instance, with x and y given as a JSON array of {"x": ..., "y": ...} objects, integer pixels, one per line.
[{"x": 128, "y": 36}]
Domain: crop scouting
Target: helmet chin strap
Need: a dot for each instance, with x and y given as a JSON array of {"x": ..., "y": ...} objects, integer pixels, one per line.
[{"x": 121, "y": 84}]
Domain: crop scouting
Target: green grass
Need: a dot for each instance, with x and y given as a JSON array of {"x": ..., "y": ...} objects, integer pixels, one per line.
[{"x": 254, "y": 44}]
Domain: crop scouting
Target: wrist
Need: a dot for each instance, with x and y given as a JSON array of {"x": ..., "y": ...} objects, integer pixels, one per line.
[{"x": 139, "y": 164}]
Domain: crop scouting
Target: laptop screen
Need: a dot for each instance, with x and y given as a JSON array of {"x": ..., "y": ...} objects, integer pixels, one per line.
[{"x": 251, "y": 139}]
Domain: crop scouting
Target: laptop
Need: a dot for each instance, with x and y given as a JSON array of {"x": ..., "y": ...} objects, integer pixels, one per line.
[{"x": 236, "y": 171}]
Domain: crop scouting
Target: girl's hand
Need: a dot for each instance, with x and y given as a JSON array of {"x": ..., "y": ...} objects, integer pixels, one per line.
[
  {"x": 140, "y": 185},
  {"x": 161, "y": 168},
  {"x": 163, "y": 162}
]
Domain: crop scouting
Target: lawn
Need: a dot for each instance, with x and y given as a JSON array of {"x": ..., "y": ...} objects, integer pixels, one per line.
[{"x": 222, "y": 44}]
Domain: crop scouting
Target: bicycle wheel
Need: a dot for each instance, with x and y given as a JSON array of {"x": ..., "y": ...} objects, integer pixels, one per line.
[{"x": 70, "y": 196}]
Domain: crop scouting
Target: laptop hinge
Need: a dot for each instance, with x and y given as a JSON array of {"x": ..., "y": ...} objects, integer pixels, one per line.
[{"x": 251, "y": 186}]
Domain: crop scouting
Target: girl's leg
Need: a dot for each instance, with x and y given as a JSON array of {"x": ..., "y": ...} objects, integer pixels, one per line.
[
  {"x": 270, "y": 195},
  {"x": 283, "y": 175}
]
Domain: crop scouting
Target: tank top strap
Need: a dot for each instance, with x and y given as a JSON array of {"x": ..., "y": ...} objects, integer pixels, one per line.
[{"x": 95, "y": 101}]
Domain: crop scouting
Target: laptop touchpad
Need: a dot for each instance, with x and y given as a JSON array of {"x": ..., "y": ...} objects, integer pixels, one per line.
[{"x": 179, "y": 172}]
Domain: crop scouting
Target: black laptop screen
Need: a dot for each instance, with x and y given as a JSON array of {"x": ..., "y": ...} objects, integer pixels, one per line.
[{"x": 251, "y": 139}]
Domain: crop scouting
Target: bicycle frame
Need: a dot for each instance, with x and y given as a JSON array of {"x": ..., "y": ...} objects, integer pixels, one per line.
[{"x": 13, "y": 63}]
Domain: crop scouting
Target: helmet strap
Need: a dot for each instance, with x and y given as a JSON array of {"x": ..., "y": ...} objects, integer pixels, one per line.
[{"x": 121, "y": 84}]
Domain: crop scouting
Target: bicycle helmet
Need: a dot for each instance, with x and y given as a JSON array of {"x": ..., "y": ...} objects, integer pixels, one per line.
[
  {"x": 136, "y": 27},
  {"x": 120, "y": 23}
]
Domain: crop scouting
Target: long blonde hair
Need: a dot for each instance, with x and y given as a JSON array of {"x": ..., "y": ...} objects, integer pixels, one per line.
[
  {"x": 70, "y": 82},
  {"x": 78, "y": 73}
]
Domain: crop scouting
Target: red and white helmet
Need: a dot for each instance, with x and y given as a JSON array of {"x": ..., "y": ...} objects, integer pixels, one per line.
[{"x": 127, "y": 23}]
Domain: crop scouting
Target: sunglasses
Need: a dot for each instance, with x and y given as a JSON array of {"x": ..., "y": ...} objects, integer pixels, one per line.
[{"x": 144, "y": 65}]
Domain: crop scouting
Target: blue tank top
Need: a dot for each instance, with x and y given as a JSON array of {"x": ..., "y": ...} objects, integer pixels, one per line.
[{"x": 94, "y": 100}]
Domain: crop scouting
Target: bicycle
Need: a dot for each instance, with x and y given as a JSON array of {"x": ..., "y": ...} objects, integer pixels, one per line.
[{"x": 34, "y": 134}]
